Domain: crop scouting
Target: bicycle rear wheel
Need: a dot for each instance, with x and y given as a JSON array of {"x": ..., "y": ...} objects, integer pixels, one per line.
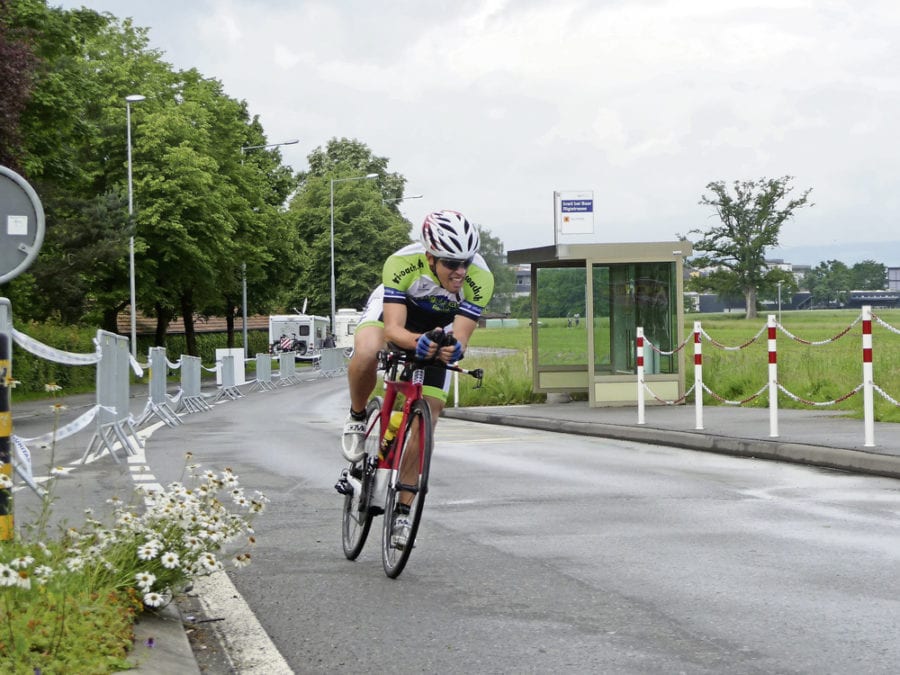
[
  {"x": 394, "y": 554},
  {"x": 356, "y": 519}
]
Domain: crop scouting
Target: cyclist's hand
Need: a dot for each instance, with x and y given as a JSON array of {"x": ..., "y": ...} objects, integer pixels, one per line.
[
  {"x": 453, "y": 350},
  {"x": 427, "y": 344}
]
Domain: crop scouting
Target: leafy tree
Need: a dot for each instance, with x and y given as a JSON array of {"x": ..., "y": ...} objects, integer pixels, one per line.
[
  {"x": 769, "y": 289},
  {"x": 350, "y": 157},
  {"x": 751, "y": 220},
  {"x": 74, "y": 155},
  {"x": 828, "y": 282},
  {"x": 268, "y": 248},
  {"x": 17, "y": 66},
  {"x": 504, "y": 275},
  {"x": 366, "y": 230},
  {"x": 869, "y": 275},
  {"x": 562, "y": 291},
  {"x": 201, "y": 213}
]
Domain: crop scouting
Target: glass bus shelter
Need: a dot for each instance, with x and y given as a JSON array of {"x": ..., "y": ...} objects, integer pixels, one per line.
[{"x": 587, "y": 300}]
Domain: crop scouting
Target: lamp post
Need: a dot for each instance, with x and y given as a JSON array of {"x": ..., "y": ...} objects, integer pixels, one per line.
[
  {"x": 131, "y": 98},
  {"x": 400, "y": 199},
  {"x": 779, "y": 301},
  {"x": 244, "y": 149},
  {"x": 333, "y": 181}
]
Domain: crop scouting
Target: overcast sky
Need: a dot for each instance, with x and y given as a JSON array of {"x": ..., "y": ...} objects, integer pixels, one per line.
[{"x": 488, "y": 106}]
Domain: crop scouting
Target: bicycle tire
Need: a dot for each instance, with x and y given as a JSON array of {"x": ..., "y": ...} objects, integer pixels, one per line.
[
  {"x": 356, "y": 519},
  {"x": 394, "y": 558}
]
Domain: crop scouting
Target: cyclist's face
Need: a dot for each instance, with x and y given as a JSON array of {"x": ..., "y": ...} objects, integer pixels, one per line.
[{"x": 451, "y": 279}]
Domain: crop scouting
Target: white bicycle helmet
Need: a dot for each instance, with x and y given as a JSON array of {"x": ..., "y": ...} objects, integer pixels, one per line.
[{"x": 447, "y": 234}]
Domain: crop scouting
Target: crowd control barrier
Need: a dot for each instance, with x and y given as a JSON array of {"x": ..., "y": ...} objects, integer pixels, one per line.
[
  {"x": 159, "y": 403},
  {"x": 112, "y": 360},
  {"x": 115, "y": 429},
  {"x": 332, "y": 362},
  {"x": 192, "y": 399},
  {"x": 113, "y": 420},
  {"x": 228, "y": 388},
  {"x": 772, "y": 386},
  {"x": 263, "y": 381},
  {"x": 287, "y": 369}
]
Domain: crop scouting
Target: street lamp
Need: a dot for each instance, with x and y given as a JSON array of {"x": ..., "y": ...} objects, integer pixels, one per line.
[
  {"x": 333, "y": 181},
  {"x": 779, "y": 300},
  {"x": 400, "y": 199},
  {"x": 244, "y": 149},
  {"x": 131, "y": 98}
]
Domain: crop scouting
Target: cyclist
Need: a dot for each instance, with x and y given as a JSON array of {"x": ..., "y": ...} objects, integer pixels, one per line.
[{"x": 440, "y": 282}]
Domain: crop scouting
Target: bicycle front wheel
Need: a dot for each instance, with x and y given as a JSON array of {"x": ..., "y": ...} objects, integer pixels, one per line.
[
  {"x": 407, "y": 489},
  {"x": 357, "y": 519}
]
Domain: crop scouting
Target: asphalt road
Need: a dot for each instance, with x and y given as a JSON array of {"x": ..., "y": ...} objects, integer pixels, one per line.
[{"x": 542, "y": 552}]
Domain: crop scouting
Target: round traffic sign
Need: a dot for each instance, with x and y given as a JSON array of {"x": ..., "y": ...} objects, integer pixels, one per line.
[{"x": 21, "y": 224}]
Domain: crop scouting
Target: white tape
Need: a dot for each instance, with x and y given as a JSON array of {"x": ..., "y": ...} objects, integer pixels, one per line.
[
  {"x": 53, "y": 354},
  {"x": 70, "y": 429}
]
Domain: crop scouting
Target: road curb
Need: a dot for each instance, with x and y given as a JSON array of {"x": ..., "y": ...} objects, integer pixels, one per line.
[
  {"x": 161, "y": 644},
  {"x": 857, "y": 461}
]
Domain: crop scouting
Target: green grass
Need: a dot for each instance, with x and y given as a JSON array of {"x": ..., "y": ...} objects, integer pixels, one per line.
[{"x": 816, "y": 373}]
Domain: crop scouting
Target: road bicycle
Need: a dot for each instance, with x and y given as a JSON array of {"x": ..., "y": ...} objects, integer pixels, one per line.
[{"x": 393, "y": 438}]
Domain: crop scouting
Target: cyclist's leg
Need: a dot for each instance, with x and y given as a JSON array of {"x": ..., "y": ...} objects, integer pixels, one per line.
[{"x": 362, "y": 373}]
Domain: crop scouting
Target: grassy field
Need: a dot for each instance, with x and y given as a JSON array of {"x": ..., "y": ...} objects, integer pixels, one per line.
[{"x": 818, "y": 373}]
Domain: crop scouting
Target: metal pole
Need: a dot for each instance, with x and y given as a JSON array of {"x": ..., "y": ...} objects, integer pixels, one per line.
[
  {"x": 244, "y": 149},
  {"x": 779, "y": 301},
  {"x": 333, "y": 327},
  {"x": 333, "y": 299},
  {"x": 244, "y": 309},
  {"x": 131, "y": 239}
]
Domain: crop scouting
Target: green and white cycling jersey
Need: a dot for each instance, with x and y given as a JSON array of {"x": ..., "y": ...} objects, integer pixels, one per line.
[{"x": 407, "y": 279}]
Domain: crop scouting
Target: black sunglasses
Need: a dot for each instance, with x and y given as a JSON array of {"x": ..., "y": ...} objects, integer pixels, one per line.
[{"x": 456, "y": 264}]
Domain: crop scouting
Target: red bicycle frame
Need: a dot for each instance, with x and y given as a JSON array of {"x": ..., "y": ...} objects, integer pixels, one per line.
[{"x": 411, "y": 391}]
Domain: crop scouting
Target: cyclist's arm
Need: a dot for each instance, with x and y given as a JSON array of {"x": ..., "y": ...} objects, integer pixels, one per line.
[
  {"x": 463, "y": 327},
  {"x": 395, "y": 326}
]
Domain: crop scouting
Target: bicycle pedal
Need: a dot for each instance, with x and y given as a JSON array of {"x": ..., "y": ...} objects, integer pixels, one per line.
[{"x": 343, "y": 486}]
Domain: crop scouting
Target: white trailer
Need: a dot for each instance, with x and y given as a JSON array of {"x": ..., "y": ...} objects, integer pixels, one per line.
[
  {"x": 303, "y": 334},
  {"x": 345, "y": 326}
]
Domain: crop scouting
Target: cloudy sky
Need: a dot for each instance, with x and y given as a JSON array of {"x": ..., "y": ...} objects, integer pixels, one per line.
[{"x": 489, "y": 106}]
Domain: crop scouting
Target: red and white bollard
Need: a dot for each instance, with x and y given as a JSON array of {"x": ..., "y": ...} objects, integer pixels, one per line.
[
  {"x": 773, "y": 378},
  {"x": 868, "y": 402},
  {"x": 640, "y": 373},
  {"x": 698, "y": 378}
]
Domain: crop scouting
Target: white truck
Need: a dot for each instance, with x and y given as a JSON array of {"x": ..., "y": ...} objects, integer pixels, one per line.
[{"x": 303, "y": 334}]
